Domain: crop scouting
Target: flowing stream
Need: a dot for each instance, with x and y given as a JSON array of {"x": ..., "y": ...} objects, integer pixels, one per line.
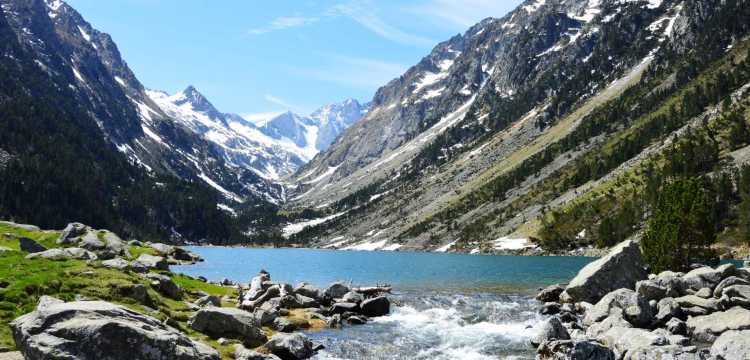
[{"x": 445, "y": 306}]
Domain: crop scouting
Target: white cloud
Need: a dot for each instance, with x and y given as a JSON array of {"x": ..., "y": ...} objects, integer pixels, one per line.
[
  {"x": 261, "y": 118},
  {"x": 285, "y": 22},
  {"x": 365, "y": 13},
  {"x": 462, "y": 14},
  {"x": 355, "y": 72},
  {"x": 278, "y": 101}
]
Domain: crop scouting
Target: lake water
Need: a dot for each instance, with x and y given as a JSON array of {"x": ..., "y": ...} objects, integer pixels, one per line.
[{"x": 445, "y": 306}]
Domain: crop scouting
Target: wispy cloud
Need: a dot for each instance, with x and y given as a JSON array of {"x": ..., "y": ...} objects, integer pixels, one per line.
[
  {"x": 261, "y": 117},
  {"x": 354, "y": 72},
  {"x": 280, "y": 102},
  {"x": 284, "y": 22},
  {"x": 365, "y": 13},
  {"x": 461, "y": 14}
]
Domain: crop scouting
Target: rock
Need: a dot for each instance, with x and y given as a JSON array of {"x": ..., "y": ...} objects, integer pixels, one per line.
[
  {"x": 290, "y": 346},
  {"x": 228, "y": 322},
  {"x": 550, "y": 308},
  {"x": 732, "y": 345},
  {"x": 676, "y": 326},
  {"x": 183, "y": 254},
  {"x": 379, "y": 306},
  {"x": 151, "y": 262},
  {"x": 736, "y": 295},
  {"x": 550, "y": 293},
  {"x": 241, "y": 353},
  {"x": 598, "y": 329},
  {"x": 551, "y": 329},
  {"x": 162, "y": 249},
  {"x": 618, "y": 299},
  {"x": 667, "y": 352},
  {"x": 574, "y": 350},
  {"x": 30, "y": 246},
  {"x": 136, "y": 243},
  {"x": 265, "y": 316},
  {"x": 116, "y": 263},
  {"x": 622, "y": 340},
  {"x": 308, "y": 290},
  {"x": 706, "y": 328},
  {"x": 26, "y": 227},
  {"x": 306, "y": 302},
  {"x": 270, "y": 293},
  {"x": 165, "y": 285},
  {"x": 342, "y": 307},
  {"x": 47, "y": 301},
  {"x": 353, "y": 297},
  {"x": 208, "y": 300},
  {"x": 667, "y": 309},
  {"x": 226, "y": 282},
  {"x": 706, "y": 277},
  {"x": 71, "y": 231},
  {"x": 356, "y": 320},
  {"x": 704, "y": 293},
  {"x": 336, "y": 291},
  {"x": 100, "y": 330},
  {"x": 104, "y": 243},
  {"x": 62, "y": 254},
  {"x": 137, "y": 292},
  {"x": 284, "y": 325},
  {"x": 334, "y": 321},
  {"x": 732, "y": 280},
  {"x": 621, "y": 268},
  {"x": 691, "y": 301}
]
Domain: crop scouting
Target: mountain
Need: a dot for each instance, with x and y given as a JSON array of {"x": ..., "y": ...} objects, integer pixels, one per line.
[
  {"x": 540, "y": 128},
  {"x": 274, "y": 148}
]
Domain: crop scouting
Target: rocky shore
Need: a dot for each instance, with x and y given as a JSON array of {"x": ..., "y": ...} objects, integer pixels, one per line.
[
  {"x": 614, "y": 309},
  {"x": 260, "y": 319}
]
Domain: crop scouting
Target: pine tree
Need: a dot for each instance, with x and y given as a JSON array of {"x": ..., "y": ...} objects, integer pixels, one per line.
[{"x": 680, "y": 230}]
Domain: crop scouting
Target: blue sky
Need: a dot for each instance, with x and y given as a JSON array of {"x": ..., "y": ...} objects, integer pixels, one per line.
[{"x": 253, "y": 56}]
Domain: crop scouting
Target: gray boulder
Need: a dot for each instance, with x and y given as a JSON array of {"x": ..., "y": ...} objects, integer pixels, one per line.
[
  {"x": 306, "y": 302},
  {"x": 116, "y": 263},
  {"x": 732, "y": 345},
  {"x": 26, "y": 227},
  {"x": 265, "y": 316},
  {"x": 706, "y": 277},
  {"x": 379, "y": 306},
  {"x": 90, "y": 330},
  {"x": 676, "y": 326},
  {"x": 71, "y": 231},
  {"x": 574, "y": 350},
  {"x": 621, "y": 268},
  {"x": 241, "y": 353},
  {"x": 228, "y": 322},
  {"x": 30, "y": 246},
  {"x": 162, "y": 249},
  {"x": 551, "y": 329},
  {"x": 667, "y": 309},
  {"x": 619, "y": 299},
  {"x": 353, "y": 297},
  {"x": 550, "y": 293},
  {"x": 598, "y": 329},
  {"x": 623, "y": 340},
  {"x": 334, "y": 321},
  {"x": 308, "y": 290},
  {"x": 667, "y": 352},
  {"x": 62, "y": 254},
  {"x": 165, "y": 285},
  {"x": 732, "y": 280},
  {"x": 284, "y": 325},
  {"x": 151, "y": 262},
  {"x": 691, "y": 301},
  {"x": 336, "y": 291},
  {"x": 209, "y": 300},
  {"x": 47, "y": 301},
  {"x": 137, "y": 292},
  {"x": 290, "y": 346},
  {"x": 706, "y": 328}
]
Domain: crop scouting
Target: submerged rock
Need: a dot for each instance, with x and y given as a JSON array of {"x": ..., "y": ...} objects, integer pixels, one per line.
[
  {"x": 100, "y": 330},
  {"x": 621, "y": 268}
]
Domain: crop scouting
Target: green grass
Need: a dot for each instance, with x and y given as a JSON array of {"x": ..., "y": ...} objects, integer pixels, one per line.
[
  {"x": 137, "y": 251},
  {"x": 47, "y": 238}
]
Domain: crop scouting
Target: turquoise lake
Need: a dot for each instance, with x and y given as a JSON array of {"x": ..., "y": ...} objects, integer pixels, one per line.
[{"x": 445, "y": 306}]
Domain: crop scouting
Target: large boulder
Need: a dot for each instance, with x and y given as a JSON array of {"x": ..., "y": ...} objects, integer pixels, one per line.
[
  {"x": 162, "y": 249},
  {"x": 71, "y": 231},
  {"x": 707, "y": 327},
  {"x": 732, "y": 280},
  {"x": 308, "y": 290},
  {"x": 617, "y": 300},
  {"x": 165, "y": 285},
  {"x": 241, "y": 353},
  {"x": 290, "y": 346},
  {"x": 625, "y": 339},
  {"x": 379, "y": 306},
  {"x": 62, "y": 254},
  {"x": 151, "y": 262},
  {"x": 551, "y": 329},
  {"x": 574, "y": 350},
  {"x": 621, "y": 268},
  {"x": 228, "y": 322},
  {"x": 90, "y": 330},
  {"x": 706, "y": 277},
  {"x": 30, "y": 246},
  {"x": 116, "y": 263},
  {"x": 26, "y": 227},
  {"x": 732, "y": 345},
  {"x": 550, "y": 293},
  {"x": 667, "y": 352},
  {"x": 336, "y": 291}
]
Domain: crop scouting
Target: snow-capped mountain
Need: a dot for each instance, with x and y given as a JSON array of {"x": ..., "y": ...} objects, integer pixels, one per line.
[{"x": 273, "y": 148}]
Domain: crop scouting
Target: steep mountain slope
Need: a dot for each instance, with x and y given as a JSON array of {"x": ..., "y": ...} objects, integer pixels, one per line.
[
  {"x": 274, "y": 148},
  {"x": 517, "y": 117},
  {"x": 61, "y": 130}
]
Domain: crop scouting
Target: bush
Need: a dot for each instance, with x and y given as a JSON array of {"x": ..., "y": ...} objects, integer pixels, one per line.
[{"x": 680, "y": 230}]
